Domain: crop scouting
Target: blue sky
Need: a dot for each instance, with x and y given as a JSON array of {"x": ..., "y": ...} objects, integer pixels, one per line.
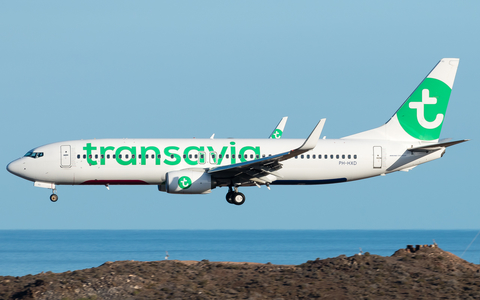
[{"x": 158, "y": 69}]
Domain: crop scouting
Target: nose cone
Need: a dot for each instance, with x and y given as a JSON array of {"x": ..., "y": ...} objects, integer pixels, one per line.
[{"x": 15, "y": 167}]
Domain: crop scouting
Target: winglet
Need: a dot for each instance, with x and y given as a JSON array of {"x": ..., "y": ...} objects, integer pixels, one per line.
[
  {"x": 312, "y": 139},
  {"x": 278, "y": 131}
]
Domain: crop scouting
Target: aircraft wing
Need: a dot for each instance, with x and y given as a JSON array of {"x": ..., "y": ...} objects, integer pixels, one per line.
[{"x": 262, "y": 170}]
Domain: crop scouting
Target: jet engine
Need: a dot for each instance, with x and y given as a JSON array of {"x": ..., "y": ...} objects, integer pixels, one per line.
[{"x": 189, "y": 182}]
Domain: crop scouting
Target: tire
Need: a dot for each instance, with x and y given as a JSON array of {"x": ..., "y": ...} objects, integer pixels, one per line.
[
  {"x": 238, "y": 198},
  {"x": 229, "y": 197},
  {"x": 53, "y": 197}
]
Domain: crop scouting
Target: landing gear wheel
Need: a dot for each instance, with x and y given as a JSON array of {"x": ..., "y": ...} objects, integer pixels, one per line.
[
  {"x": 229, "y": 197},
  {"x": 53, "y": 197},
  {"x": 238, "y": 198}
]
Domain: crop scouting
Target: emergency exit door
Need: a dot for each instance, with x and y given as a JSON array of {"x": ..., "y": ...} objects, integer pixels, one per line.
[
  {"x": 65, "y": 157},
  {"x": 377, "y": 157}
]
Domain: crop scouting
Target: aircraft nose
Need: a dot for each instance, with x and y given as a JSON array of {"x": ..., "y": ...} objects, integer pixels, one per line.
[{"x": 15, "y": 167}]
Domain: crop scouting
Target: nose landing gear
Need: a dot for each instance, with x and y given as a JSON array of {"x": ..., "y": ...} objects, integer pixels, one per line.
[
  {"x": 53, "y": 196},
  {"x": 235, "y": 197}
]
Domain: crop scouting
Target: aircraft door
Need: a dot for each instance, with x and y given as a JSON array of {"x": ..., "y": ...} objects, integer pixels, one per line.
[
  {"x": 65, "y": 156},
  {"x": 377, "y": 157}
]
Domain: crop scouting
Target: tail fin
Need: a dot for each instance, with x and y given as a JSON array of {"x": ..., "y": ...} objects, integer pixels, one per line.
[{"x": 421, "y": 116}]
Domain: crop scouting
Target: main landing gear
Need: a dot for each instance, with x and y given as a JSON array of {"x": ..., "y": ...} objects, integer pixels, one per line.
[
  {"x": 53, "y": 196},
  {"x": 235, "y": 197}
]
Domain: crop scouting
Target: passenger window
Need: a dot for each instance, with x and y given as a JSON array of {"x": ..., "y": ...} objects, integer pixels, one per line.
[
  {"x": 343, "y": 156},
  {"x": 108, "y": 156},
  {"x": 331, "y": 156},
  {"x": 349, "y": 156},
  {"x": 201, "y": 156},
  {"x": 119, "y": 156},
  {"x": 219, "y": 156},
  {"x": 196, "y": 155},
  {"x": 114, "y": 156},
  {"x": 96, "y": 156},
  {"x": 251, "y": 155},
  {"x": 313, "y": 156},
  {"x": 308, "y": 156},
  {"x": 184, "y": 156},
  {"x": 126, "y": 156},
  {"x": 355, "y": 156},
  {"x": 133, "y": 155},
  {"x": 227, "y": 156},
  {"x": 159, "y": 156},
  {"x": 338, "y": 156},
  {"x": 102, "y": 156},
  {"x": 172, "y": 156},
  {"x": 302, "y": 156},
  {"x": 239, "y": 156},
  {"x": 78, "y": 156},
  {"x": 245, "y": 155},
  {"x": 296, "y": 157},
  {"x": 90, "y": 156},
  {"x": 263, "y": 155},
  {"x": 84, "y": 156},
  {"x": 319, "y": 156}
]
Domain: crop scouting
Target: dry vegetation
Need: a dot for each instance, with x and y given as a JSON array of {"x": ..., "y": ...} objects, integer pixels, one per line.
[{"x": 429, "y": 273}]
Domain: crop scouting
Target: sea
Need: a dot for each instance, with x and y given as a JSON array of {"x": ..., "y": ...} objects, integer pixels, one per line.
[{"x": 24, "y": 252}]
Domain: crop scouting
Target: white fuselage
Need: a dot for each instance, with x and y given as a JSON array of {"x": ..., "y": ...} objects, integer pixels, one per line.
[{"x": 147, "y": 161}]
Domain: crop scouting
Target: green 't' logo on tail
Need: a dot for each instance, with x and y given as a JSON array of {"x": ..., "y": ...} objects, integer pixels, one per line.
[
  {"x": 277, "y": 134},
  {"x": 421, "y": 116},
  {"x": 184, "y": 182}
]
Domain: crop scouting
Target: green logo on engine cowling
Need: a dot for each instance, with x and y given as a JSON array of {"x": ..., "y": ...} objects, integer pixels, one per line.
[
  {"x": 277, "y": 134},
  {"x": 184, "y": 182},
  {"x": 422, "y": 115}
]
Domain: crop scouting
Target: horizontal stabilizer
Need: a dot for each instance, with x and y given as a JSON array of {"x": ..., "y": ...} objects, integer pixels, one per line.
[{"x": 432, "y": 147}]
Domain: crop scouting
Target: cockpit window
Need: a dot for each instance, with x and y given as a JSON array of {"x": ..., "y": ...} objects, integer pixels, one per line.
[{"x": 33, "y": 154}]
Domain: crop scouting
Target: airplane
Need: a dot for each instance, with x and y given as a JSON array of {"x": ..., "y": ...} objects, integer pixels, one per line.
[{"x": 197, "y": 166}]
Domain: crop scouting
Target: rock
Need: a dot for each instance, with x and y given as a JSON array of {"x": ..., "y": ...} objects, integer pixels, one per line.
[{"x": 428, "y": 272}]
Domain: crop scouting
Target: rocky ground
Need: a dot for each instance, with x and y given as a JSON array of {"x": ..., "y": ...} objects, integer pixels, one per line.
[{"x": 428, "y": 273}]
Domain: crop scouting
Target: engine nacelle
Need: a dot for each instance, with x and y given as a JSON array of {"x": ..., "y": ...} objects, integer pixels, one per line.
[{"x": 189, "y": 182}]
